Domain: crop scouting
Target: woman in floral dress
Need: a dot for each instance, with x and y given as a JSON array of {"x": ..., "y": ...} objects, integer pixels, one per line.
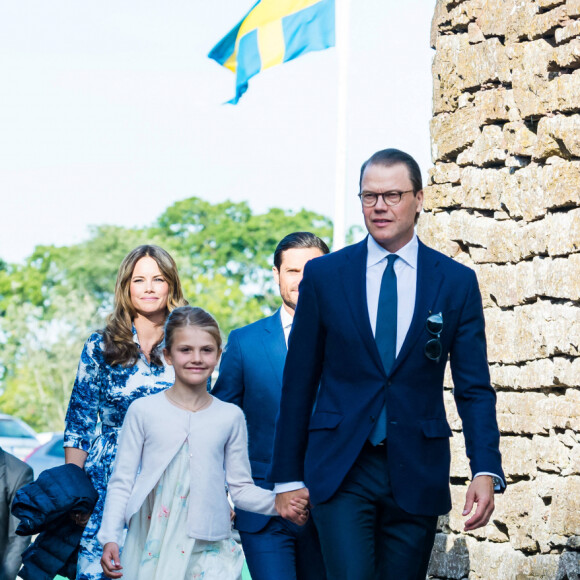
[{"x": 119, "y": 364}]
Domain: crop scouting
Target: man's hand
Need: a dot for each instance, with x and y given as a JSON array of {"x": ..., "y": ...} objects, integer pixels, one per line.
[
  {"x": 293, "y": 505},
  {"x": 480, "y": 491},
  {"x": 301, "y": 509},
  {"x": 110, "y": 561}
]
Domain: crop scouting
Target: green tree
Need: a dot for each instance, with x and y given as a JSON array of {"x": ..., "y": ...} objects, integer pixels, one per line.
[
  {"x": 52, "y": 302},
  {"x": 43, "y": 355},
  {"x": 223, "y": 247}
]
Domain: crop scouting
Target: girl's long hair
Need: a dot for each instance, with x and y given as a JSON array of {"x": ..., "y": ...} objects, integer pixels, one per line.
[{"x": 119, "y": 346}]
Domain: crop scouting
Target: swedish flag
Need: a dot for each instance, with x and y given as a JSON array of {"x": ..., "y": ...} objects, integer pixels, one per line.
[{"x": 273, "y": 32}]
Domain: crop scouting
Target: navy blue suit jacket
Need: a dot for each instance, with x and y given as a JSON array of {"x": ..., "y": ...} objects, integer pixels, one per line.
[
  {"x": 251, "y": 377},
  {"x": 332, "y": 345}
]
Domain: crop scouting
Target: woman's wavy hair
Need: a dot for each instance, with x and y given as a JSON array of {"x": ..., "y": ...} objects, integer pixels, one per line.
[
  {"x": 191, "y": 316},
  {"x": 119, "y": 346}
]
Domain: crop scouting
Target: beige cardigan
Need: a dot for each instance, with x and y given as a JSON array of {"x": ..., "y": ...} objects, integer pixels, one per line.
[{"x": 153, "y": 432}]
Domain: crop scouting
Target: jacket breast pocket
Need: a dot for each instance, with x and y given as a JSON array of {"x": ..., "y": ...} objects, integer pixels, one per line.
[
  {"x": 321, "y": 420},
  {"x": 436, "y": 428}
]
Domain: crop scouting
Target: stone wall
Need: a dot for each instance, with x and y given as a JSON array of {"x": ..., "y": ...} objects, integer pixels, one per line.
[{"x": 504, "y": 198}]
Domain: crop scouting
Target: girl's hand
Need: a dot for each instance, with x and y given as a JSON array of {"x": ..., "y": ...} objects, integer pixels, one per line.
[
  {"x": 110, "y": 561},
  {"x": 300, "y": 509}
]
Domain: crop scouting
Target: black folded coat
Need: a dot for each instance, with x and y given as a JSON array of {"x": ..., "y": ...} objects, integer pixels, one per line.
[{"x": 44, "y": 507}]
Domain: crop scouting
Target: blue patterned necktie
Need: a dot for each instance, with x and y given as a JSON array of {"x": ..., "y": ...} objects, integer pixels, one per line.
[{"x": 386, "y": 337}]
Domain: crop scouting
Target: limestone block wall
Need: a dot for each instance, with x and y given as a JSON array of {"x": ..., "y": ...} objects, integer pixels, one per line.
[{"x": 504, "y": 198}]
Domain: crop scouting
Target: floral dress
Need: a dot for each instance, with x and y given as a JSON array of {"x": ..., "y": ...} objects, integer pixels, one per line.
[
  {"x": 103, "y": 393},
  {"x": 158, "y": 546}
]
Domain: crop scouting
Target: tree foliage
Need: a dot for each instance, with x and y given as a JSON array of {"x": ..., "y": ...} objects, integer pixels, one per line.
[{"x": 52, "y": 302}]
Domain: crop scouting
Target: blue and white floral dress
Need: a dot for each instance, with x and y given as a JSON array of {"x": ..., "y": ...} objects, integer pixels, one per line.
[{"x": 103, "y": 393}]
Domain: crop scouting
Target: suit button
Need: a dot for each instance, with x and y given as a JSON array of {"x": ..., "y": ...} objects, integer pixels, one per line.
[
  {"x": 372, "y": 419},
  {"x": 389, "y": 382}
]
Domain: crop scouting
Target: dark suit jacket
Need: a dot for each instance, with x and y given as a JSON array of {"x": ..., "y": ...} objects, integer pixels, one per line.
[
  {"x": 251, "y": 377},
  {"x": 332, "y": 344},
  {"x": 13, "y": 475}
]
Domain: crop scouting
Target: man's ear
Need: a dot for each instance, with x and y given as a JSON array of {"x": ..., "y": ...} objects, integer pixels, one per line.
[
  {"x": 276, "y": 275},
  {"x": 419, "y": 198}
]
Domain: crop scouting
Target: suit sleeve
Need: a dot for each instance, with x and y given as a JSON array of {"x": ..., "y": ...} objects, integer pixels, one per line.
[
  {"x": 12, "y": 559},
  {"x": 302, "y": 373},
  {"x": 229, "y": 386},
  {"x": 474, "y": 396}
]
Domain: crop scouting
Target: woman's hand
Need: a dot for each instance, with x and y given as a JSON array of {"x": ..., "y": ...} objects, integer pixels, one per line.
[{"x": 110, "y": 561}]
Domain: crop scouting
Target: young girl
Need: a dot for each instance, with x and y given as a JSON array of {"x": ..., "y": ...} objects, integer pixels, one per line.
[{"x": 177, "y": 450}]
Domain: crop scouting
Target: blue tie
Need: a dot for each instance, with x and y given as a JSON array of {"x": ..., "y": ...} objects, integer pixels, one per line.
[{"x": 386, "y": 337}]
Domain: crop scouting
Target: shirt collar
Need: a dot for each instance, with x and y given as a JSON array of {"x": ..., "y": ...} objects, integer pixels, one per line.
[
  {"x": 161, "y": 345},
  {"x": 135, "y": 337},
  {"x": 408, "y": 253},
  {"x": 285, "y": 317}
]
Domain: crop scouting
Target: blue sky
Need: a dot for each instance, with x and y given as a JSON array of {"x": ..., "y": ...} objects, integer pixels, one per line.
[{"x": 112, "y": 111}]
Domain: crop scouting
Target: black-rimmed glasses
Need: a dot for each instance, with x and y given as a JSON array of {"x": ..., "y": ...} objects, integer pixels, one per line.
[
  {"x": 391, "y": 198},
  {"x": 433, "y": 348}
]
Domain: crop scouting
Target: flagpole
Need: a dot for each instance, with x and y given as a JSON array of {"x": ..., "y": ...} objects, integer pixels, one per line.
[{"x": 342, "y": 43}]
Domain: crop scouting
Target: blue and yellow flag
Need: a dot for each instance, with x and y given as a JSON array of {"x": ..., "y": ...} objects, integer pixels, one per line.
[{"x": 273, "y": 32}]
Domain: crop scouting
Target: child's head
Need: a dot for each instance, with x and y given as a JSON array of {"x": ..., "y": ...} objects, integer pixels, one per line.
[
  {"x": 191, "y": 316},
  {"x": 192, "y": 346}
]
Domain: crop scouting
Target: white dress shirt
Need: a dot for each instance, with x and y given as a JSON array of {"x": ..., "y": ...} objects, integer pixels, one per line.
[
  {"x": 406, "y": 272},
  {"x": 287, "y": 321}
]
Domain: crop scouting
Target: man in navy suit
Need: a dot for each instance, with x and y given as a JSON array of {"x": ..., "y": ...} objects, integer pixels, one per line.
[
  {"x": 362, "y": 421},
  {"x": 251, "y": 377}
]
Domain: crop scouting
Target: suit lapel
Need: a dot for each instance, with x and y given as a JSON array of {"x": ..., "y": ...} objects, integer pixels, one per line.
[
  {"x": 429, "y": 280},
  {"x": 353, "y": 275},
  {"x": 275, "y": 344}
]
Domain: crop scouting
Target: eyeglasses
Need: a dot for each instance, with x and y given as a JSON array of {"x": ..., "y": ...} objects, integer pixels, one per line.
[
  {"x": 433, "y": 348},
  {"x": 390, "y": 198}
]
